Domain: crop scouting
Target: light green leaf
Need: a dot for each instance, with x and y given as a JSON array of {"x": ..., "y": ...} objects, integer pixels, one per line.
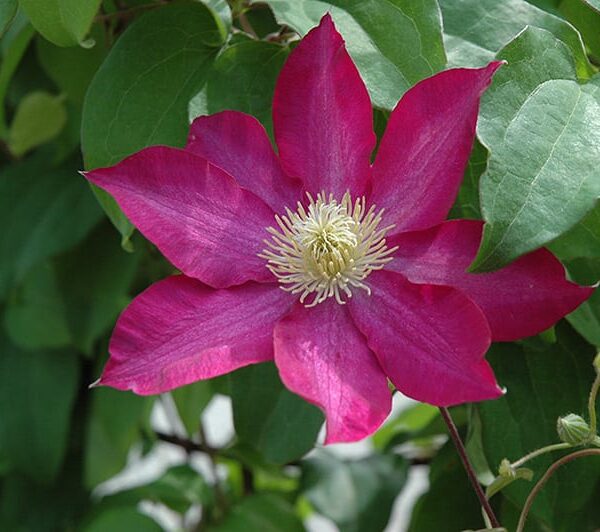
[
  {"x": 409, "y": 421},
  {"x": 39, "y": 118},
  {"x": 356, "y": 495},
  {"x": 544, "y": 381},
  {"x": 63, "y": 22},
  {"x": 533, "y": 57},
  {"x": 139, "y": 96},
  {"x": 394, "y": 43},
  {"x": 474, "y": 30},
  {"x": 593, "y": 3},
  {"x": 544, "y": 177},
  {"x": 37, "y": 393},
  {"x": 270, "y": 418},
  {"x": 42, "y": 213},
  {"x": 252, "y": 68},
  {"x": 261, "y": 513},
  {"x": 8, "y": 10}
]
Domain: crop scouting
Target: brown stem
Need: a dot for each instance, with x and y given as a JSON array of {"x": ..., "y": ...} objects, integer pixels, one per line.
[
  {"x": 246, "y": 26},
  {"x": 462, "y": 452},
  {"x": 546, "y": 476},
  {"x": 188, "y": 445}
]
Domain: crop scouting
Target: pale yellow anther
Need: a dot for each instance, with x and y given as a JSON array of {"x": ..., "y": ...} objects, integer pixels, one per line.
[{"x": 327, "y": 248}]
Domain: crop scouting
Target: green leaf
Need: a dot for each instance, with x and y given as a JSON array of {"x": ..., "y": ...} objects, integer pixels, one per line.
[
  {"x": 8, "y": 10},
  {"x": 467, "y": 201},
  {"x": 543, "y": 383},
  {"x": 114, "y": 424},
  {"x": 394, "y": 43},
  {"x": 122, "y": 520},
  {"x": 409, "y": 421},
  {"x": 35, "y": 316},
  {"x": 179, "y": 488},
  {"x": 533, "y": 57},
  {"x": 140, "y": 95},
  {"x": 63, "y": 22},
  {"x": 450, "y": 503},
  {"x": 94, "y": 280},
  {"x": 582, "y": 241},
  {"x": 593, "y": 3},
  {"x": 357, "y": 495},
  {"x": 474, "y": 30},
  {"x": 42, "y": 213},
  {"x": 72, "y": 69},
  {"x": 39, "y": 118},
  {"x": 37, "y": 393},
  {"x": 587, "y": 21},
  {"x": 267, "y": 416},
  {"x": 544, "y": 177},
  {"x": 13, "y": 46},
  {"x": 252, "y": 68},
  {"x": 585, "y": 319},
  {"x": 191, "y": 400},
  {"x": 261, "y": 513}
]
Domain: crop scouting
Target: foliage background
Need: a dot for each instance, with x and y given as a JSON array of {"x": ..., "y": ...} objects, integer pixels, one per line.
[{"x": 86, "y": 82}]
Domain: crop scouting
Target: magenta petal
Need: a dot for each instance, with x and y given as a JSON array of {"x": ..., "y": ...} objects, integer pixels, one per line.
[
  {"x": 430, "y": 340},
  {"x": 179, "y": 331},
  {"x": 522, "y": 299},
  {"x": 426, "y": 146},
  {"x": 322, "y": 357},
  {"x": 322, "y": 115},
  {"x": 196, "y": 214},
  {"x": 238, "y": 143}
]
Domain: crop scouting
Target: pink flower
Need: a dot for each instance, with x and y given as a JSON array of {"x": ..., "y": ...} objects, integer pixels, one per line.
[{"x": 374, "y": 281}]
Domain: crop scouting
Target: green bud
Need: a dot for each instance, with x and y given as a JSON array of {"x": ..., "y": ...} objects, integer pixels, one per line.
[{"x": 573, "y": 429}]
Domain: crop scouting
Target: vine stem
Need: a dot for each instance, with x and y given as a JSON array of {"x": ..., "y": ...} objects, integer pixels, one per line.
[
  {"x": 592, "y": 404},
  {"x": 462, "y": 452},
  {"x": 538, "y": 452},
  {"x": 546, "y": 476}
]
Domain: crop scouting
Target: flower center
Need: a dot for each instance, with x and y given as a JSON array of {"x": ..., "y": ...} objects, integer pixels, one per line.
[{"x": 327, "y": 248}]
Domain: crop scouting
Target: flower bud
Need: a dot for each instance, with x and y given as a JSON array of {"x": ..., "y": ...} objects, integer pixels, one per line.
[{"x": 573, "y": 429}]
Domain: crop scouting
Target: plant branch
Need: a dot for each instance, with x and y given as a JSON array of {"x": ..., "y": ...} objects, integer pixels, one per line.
[
  {"x": 538, "y": 452},
  {"x": 188, "y": 445},
  {"x": 462, "y": 452},
  {"x": 592, "y": 404},
  {"x": 546, "y": 476}
]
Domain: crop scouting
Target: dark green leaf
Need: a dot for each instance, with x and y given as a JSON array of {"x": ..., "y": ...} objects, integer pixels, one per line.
[
  {"x": 115, "y": 421},
  {"x": 543, "y": 384},
  {"x": 122, "y": 520},
  {"x": 35, "y": 316},
  {"x": 267, "y": 416},
  {"x": 8, "y": 10},
  {"x": 394, "y": 43},
  {"x": 139, "y": 96},
  {"x": 191, "y": 400},
  {"x": 582, "y": 241},
  {"x": 544, "y": 177},
  {"x": 356, "y": 494},
  {"x": 13, "y": 46},
  {"x": 586, "y": 19},
  {"x": 37, "y": 391},
  {"x": 64, "y": 22},
  {"x": 178, "y": 488},
  {"x": 467, "y": 201},
  {"x": 42, "y": 212},
  {"x": 72, "y": 69},
  {"x": 450, "y": 503},
  {"x": 261, "y": 513},
  {"x": 252, "y": 68},
  {"x": 474, "y": 30},
  {"x": 39, "y": 118}
]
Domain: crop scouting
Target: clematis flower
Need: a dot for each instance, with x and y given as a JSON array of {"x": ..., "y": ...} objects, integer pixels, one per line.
[{"x": 341, "y": 271}]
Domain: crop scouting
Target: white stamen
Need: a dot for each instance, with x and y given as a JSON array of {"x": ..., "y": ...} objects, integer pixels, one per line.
[{"x": 327, "y": 248}]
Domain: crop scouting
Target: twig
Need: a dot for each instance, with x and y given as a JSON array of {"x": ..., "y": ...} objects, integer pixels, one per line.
[
  {"x": 188, "y": 445},
  {"x": 462, "y": 452},
  {"x": 550, "y": 471}
]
